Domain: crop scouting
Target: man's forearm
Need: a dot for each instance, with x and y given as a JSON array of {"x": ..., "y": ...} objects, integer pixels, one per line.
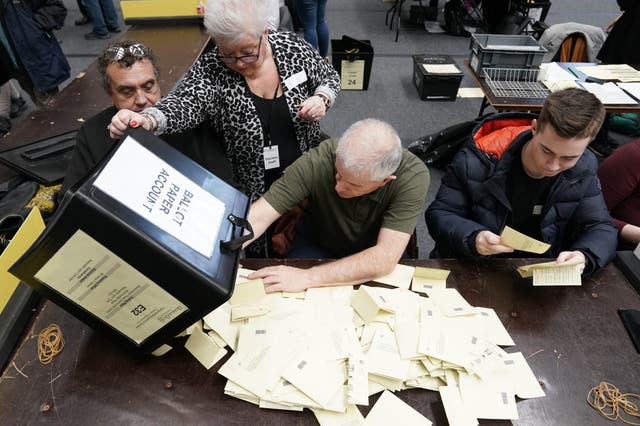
[
  {"x": 362, "y": 266},
  {"x": 261, "y": 215}
]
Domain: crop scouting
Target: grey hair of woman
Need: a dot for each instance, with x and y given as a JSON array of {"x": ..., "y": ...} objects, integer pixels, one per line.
[
  {"x": 370, "y": 148},
  {"x": 229, "y": 21}
]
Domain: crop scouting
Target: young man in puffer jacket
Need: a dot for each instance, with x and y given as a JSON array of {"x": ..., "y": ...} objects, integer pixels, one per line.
[{"x": 534, "y": 175}]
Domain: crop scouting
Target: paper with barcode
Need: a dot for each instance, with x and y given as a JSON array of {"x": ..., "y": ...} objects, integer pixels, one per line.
[
  {"x": 450, "y": 302},
  {"x": 487, "y": 399},
  {"x": 426, "y": 279},
  {"x": 318, "y": 379},
  {"x": 357, "y": 380}
]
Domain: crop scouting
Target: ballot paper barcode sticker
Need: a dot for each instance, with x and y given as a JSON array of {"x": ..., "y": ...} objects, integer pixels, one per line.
[
  {"x": 93, "y": 277},
  {"x": 160, "y": 194}
]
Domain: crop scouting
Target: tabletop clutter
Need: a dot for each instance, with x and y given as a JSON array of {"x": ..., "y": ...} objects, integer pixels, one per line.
[{"x": 328, "y": 349}]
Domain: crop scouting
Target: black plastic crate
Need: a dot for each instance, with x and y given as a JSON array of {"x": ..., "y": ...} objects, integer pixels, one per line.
[{"x": 435, "y": 85}]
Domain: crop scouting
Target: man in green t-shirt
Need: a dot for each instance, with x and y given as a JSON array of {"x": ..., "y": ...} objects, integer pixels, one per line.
[{"x": 364, "y": 194}]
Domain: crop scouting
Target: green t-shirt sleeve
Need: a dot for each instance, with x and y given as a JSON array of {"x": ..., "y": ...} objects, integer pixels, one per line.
[{"x": 408, "y": 201}]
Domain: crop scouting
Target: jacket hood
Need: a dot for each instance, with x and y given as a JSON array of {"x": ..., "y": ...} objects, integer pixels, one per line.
[{"x": 496, "y": 133}]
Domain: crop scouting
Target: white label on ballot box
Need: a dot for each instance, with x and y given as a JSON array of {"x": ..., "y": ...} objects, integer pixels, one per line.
[
  {"x": 93, "y": 277},
  {"x": 352, "y": 75},
  {"x": 149, "y": 186}
]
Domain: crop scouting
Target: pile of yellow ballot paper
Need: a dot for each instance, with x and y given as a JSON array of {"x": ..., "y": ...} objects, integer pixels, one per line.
[{"x": 328, "y": 349}]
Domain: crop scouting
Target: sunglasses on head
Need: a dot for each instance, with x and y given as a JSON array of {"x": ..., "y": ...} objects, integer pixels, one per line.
[{"x": 117, "y": 52}]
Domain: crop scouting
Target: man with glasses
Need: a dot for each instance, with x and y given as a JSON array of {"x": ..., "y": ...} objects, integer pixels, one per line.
[
  {"x": 265, "y": 91},
  {"x": 129, "y": 74}
]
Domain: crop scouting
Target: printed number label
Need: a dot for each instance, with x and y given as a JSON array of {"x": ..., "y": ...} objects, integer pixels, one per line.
[
  {"x": 352, "y": 75},
  {"x": 138, "y": 310}
]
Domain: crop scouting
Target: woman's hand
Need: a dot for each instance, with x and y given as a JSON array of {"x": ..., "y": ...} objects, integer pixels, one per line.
[
  {"x": 125, "y": 118},
  {"x": 313, "y": 109}
]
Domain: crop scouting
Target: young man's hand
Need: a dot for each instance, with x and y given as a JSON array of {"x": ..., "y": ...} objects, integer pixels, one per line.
[{"x": 488, "y": 243}]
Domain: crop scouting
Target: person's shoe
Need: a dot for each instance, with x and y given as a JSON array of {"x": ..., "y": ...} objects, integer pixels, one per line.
[
  {"x": 95, "y": 36},
  {"x": 18, "y": 105},
  {"x": 115, "y": 30},
  {"x": 82, "y": 21}
]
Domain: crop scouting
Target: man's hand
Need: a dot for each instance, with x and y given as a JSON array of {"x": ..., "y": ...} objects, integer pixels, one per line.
[
  {"x": 123, "y": 119},
  {"x": 572, "y": 257},
  {"x": 488, "y": 243},
  {"x": 283, "y": 278}
]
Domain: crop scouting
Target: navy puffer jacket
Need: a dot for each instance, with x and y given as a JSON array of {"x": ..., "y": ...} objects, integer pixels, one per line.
[{"x": 473, "y": 198}]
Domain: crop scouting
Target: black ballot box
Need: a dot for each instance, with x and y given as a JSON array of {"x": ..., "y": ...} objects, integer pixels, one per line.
[
  {"x": 352, "y": 59},
  {"x": 436, "y": 77},
  {"x": 142, "y": 248}
]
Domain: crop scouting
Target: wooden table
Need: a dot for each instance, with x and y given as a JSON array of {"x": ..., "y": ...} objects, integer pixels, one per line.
[
  {"x": 176, "y": 46},
  {"x": 572, "y": 338},
  {"x": 533, "y": 104}
]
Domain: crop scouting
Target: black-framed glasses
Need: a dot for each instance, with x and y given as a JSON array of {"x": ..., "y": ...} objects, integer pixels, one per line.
[
  {"x": 117, "y": 52},
  {"x": 247, "y": 59}
]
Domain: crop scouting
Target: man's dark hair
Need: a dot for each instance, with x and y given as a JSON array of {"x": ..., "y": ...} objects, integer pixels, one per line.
[
  {"x": 124, "y": 53},
  {"x": 573, "y": 113}
]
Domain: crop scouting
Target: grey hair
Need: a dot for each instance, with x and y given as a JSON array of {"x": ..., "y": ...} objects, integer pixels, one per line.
[
  {"x": 232, "y": 20},
  {"x": 370, "y": 148}
]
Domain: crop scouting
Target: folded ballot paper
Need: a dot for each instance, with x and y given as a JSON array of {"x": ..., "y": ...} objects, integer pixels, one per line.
[
  {"x": 553, "y": 274},
  {"x": 332, "y": 348},
  {"x": 147, "y": 245}
]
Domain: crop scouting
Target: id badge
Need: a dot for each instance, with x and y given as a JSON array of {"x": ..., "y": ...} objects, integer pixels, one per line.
[{"x": 271, "y": 157}]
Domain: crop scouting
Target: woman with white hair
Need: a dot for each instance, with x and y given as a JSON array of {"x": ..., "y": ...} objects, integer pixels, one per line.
[{"x": 264, "y": 91}]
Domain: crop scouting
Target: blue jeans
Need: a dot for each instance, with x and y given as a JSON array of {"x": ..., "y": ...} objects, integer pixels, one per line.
[
  {"x": 102, "y": 14},
  {"x": 316, "y": 31}
]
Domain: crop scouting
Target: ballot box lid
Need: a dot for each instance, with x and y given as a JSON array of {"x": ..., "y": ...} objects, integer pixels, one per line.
[{"x": 143, "y": 247}]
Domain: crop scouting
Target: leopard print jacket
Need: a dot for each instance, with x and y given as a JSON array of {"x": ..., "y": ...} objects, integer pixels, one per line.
[{"x": 211, "y": 91}]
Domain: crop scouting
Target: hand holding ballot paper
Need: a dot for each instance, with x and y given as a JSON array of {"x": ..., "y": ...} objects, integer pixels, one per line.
[{"x": 565, "y": 270}]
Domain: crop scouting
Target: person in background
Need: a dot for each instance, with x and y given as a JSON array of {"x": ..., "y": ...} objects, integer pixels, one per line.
[
  {"x": 534, "y": 176},
  {"x": 273, "y": 14},
  {"x": 621, "y": 47},
  {"x": 84, "y": 16},
  {"x": 265, "y": 91},
  {"x": 102, "y": 14},
  {"x": 365, "y": 194},
  {"x": 620, "y": 179},
  {"x": 129, "y": 73},
  {"x": 32, "y": 50},
  {"x": 314, "y": 24}
]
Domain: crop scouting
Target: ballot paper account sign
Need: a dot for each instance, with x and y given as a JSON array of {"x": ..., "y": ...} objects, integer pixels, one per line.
[{"x": 162, "y": 195}]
